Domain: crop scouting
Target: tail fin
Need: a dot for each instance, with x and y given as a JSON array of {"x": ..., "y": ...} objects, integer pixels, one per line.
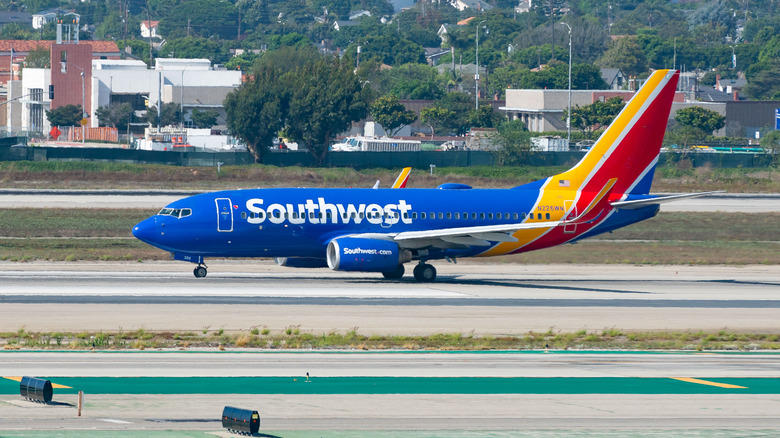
[{"x": 628, "y": 150}]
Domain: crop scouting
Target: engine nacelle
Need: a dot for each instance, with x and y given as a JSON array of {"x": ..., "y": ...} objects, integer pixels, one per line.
[
  {"x": 365, "y": 255},
  {"x": 301, "y": 262}
]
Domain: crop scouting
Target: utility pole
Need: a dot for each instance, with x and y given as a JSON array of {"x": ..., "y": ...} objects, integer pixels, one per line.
[
  {"x": 476, "y": 70},
  {"x": 568, "y": 114}
]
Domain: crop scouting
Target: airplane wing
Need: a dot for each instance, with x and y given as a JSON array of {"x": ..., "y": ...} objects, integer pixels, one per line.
[{"x": 639, "y": 203}]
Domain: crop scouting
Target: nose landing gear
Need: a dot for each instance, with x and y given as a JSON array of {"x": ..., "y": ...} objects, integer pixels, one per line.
[{"x": 200, "y": 271}]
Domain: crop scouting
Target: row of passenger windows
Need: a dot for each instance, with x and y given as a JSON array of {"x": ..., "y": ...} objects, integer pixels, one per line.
[{"x": 424, "y": 215}]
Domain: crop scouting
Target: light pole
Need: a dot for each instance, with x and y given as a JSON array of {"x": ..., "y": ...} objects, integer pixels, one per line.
[
  {"x": 83, "y": 108},
  {"x": 476, "y": 70},
  {"x": 568, "y": 114}
]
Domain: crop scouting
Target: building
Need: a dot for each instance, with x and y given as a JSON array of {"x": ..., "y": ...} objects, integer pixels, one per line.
[
  {"x": 14, "y": 17},
  {"x": 542, "y": 110},
  {"x": 479, "y": 5},
  {"x": 45, "y": 17},
  {"x": 149, "y": 29}
]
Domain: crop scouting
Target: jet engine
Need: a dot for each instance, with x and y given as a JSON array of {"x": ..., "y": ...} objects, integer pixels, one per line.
[{"x": 365, "y": 255}]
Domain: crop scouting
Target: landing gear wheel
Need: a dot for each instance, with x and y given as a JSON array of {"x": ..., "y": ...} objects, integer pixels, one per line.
[
  {"x": 424, "y": 272},
  {"x": 200, "y": 272},
  {"x": 397, "y": 273}
]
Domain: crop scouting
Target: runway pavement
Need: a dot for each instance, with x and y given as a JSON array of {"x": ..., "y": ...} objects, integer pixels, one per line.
[
  {"x": 483, "y": 299},
  {"x": 384, "y": 394},
  {"x": 153, "y": 200}
]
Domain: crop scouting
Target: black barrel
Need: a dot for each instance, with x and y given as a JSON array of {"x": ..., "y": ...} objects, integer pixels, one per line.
[
  {"x": 37, "y": 390},
  {"x": 241, "y": 421}
]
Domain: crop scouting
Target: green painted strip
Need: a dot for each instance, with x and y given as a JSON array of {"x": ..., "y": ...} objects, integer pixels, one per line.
[{"x": 399, "y": 385}]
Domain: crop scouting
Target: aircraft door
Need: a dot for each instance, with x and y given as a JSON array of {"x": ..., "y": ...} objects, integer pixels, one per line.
[
  {"x": 224, "y": 215},
  {"x": 569, "y": 204}
]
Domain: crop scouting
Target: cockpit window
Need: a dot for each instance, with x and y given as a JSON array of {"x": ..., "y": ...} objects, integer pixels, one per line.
[{"x": 175, "y": 212}]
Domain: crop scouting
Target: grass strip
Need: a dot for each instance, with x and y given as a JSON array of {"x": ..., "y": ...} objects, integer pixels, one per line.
[
  {"x": 293, "y": 338},
  {"x": 677, "y": 177}
]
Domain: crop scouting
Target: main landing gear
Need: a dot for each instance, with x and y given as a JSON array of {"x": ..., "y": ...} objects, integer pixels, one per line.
[
  {"x": 424, "y": 272},
  {"x": 397, "y": 273},
  {"x": 200, "y": 271}
]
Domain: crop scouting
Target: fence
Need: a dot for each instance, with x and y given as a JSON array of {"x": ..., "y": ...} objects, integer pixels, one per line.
[
  {"x": 11, "y": 149},
  {"x": 104, "y": 134}
]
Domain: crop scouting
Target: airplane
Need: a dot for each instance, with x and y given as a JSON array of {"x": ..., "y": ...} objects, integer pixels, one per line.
[{"x": 379, "y": 230}]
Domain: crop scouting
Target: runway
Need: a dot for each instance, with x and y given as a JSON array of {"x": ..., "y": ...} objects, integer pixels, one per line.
[
  {"x": 383, "y": 394},
  {"x": 480, "y": 299},
  {"x": 156, "y": 199}
]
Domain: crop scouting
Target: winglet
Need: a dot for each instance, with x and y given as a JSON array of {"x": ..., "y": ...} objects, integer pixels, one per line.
[
  {"x": 400, "y": 182},
  {"x": 602, "y": 195}
]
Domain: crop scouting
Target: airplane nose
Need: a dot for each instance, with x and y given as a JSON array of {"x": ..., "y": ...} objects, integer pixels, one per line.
[{"x": 145, "y": 230}]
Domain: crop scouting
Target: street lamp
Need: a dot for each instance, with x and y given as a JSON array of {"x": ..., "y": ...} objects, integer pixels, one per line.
[
  {"x": 476, "y": 70},
  {"x": 568, "y": 115},
  {"x": 83, "y": 108}
]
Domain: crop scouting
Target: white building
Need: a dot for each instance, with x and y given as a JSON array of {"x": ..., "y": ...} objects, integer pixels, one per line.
[
  {"x": 190, "y": 83},
  {"x": 44, "y": 17}
]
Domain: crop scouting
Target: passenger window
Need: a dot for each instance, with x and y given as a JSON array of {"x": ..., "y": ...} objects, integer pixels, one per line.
[
  {"x": 538, "y": 216},
  {"x": 522, "y": 215},
  {"x": 433, "y": 215},
  {"x": 547, "y": 216},
  {"x": 260, "y": 215},
  {"x": 457, "y": 215},
  {"x": 406, "y": 215},
  {"x": 498, "y": 215},
  {"x": 423, "y": 215},
  {"x": 328, "y": 215},
  {"x": 277, "y": 214},
  {"x": 361, "y": 215},
  {"x": 482, "y": 215},
  {"x": 473, "y": 215},
  {"x": 343, "y": 215},
  {"x": 353, "y": 215},
  {"x": 414, "y": 215},
  {"x": 243, "y": 215},
  {"x": 294, "y": 215},
  {"x": 490, "y": 215},
  {"x": 449, "y": 215},
  {"x": 465, "y": 215},
  {"x": 441, "y": 215}
]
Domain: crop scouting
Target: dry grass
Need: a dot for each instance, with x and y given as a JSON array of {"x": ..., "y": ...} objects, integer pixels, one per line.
[{"x": 612, "y": 338}]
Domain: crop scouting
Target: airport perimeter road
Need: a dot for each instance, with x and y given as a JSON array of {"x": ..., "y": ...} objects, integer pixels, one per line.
[
  {"x": 484, "y": 299},
  {"x": 154, "y": 200}
]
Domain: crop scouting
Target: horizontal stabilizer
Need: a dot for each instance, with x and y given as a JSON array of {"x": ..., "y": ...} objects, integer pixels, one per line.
[{"x": 639, "y": 203}]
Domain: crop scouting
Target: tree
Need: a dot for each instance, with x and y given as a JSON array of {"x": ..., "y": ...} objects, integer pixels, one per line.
[
  {"x": 700, "y": 118},
  {"x": 66, "y": 115},
  {"x": 391, "y": 114},
  {"x": 203, "y": 119},
  {"x": 205, "y": 18},
  {"x": 192, "y": 47},
  {"x": 770, "y": 143},
  {"x": 436, "y": 117},
  {"x": 763, "y": 80},
  {"x": 40, "y": 57},
  {"x": 169, "y": 115},
  {"x": 590, "y": 117},
  {"x": 115, "y": 114},
  {"x": 627, "y": 55},
  {"x": 255, "y": 111},
  {"x": 460, "y": 104},
  {"x": 514, "y": 142},
  {"x": 485, "y": 117},
  {"x": 326, "y": 97}
]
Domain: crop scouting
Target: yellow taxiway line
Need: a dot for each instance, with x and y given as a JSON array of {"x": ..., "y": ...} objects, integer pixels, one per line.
[
  {"x": 19, "y": 379},
  {"x": 707, "y": 382}
]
